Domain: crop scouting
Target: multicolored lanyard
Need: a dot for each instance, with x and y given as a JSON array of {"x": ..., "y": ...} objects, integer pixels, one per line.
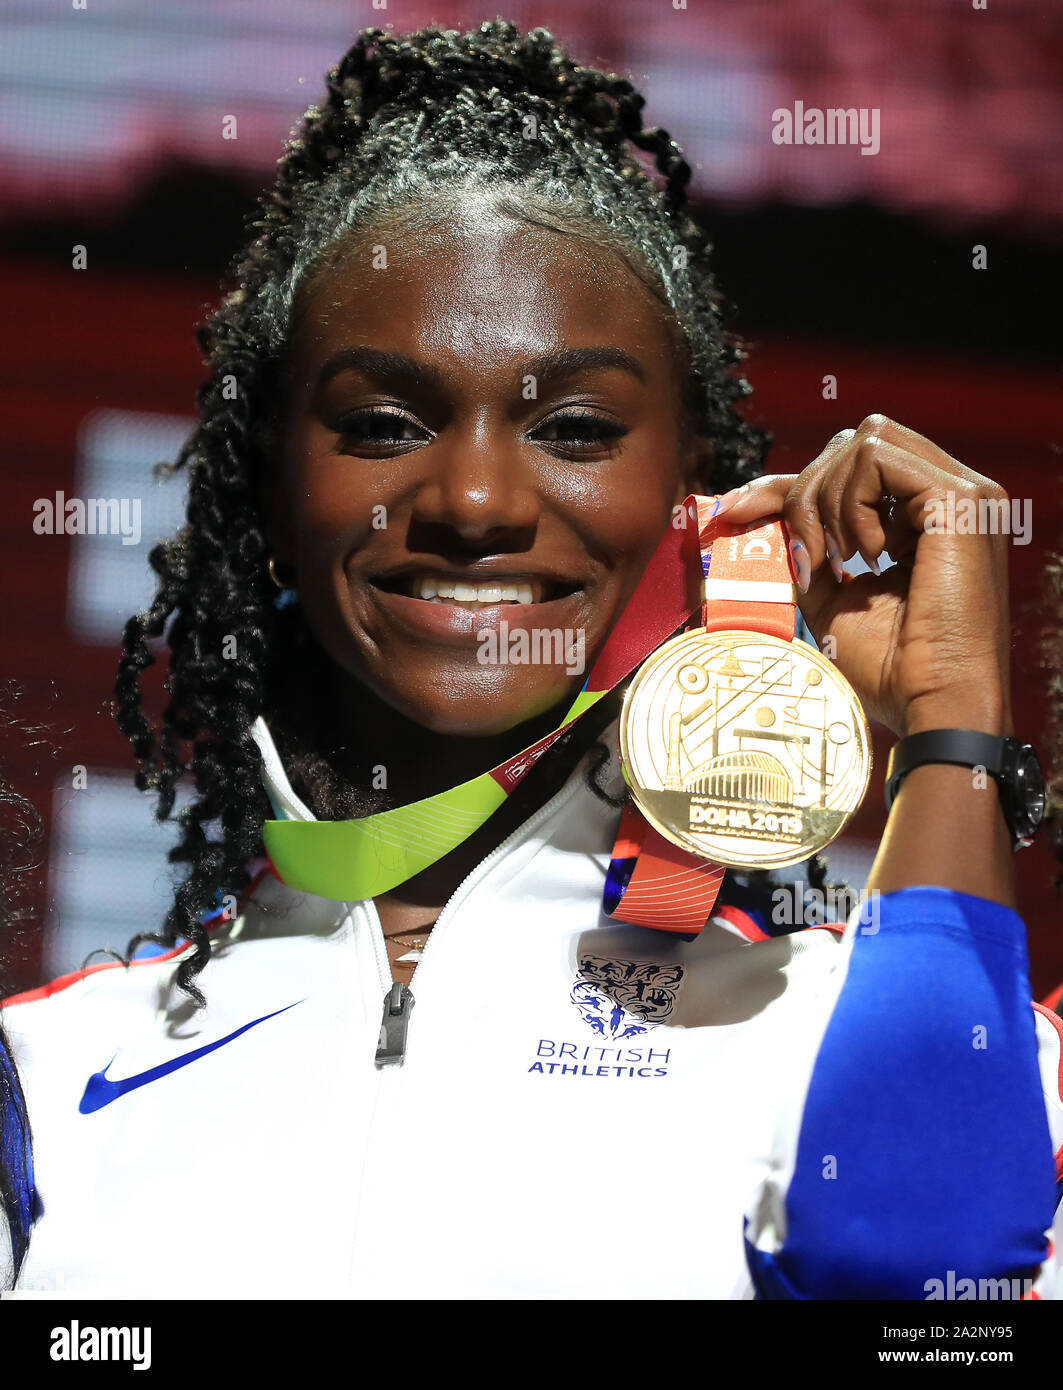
[{"x": 749, "y": 586}]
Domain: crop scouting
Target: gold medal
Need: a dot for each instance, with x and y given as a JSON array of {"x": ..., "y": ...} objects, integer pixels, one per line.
[{"x": 743, "y": 748}]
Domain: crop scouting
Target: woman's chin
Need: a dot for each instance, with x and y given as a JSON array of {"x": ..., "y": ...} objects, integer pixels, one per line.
[{"x": 474, "y": 716}]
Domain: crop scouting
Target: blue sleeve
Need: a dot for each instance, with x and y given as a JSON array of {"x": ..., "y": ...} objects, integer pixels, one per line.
[
  {"x": 923, "y": 1145},
  {"x": 19, "y": 1205}
]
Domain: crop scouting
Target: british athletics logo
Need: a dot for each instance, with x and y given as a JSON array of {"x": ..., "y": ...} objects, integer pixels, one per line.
[
  {"x": 573, "y": 1059},
  {"x": 623, "y": 998},
  {"x": 617, "y": 999}
]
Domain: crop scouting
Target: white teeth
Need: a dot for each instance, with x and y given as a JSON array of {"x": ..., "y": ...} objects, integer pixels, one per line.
[{"x": 476, "y": 595}]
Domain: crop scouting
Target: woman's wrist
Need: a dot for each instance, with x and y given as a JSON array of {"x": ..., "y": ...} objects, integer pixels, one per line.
[
  {"x": 947, "y": 828},
  {"x": 986, "y": 710}
]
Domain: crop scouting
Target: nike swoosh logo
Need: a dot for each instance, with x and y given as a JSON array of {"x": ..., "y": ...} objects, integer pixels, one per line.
[{"x": 100, "y": 1091}]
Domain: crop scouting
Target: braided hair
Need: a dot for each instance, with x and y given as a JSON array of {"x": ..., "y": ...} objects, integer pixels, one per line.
[{"x": 512, "y": 123}]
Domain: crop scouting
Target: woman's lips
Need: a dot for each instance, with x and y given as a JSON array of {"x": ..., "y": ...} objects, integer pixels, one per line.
[{"x": 451, "y": 622}]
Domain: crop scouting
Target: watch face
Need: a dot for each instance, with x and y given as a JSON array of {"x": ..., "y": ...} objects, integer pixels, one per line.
[{"x": 1030, "y": 785}]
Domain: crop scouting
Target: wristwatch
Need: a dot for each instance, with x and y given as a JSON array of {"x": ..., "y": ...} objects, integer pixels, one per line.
[{"x": 1014, "y": 766}]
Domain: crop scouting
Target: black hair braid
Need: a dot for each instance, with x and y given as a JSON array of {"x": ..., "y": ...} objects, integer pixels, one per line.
[
  {"x": 405, "y": 121},
  {"x": 656, "y": 141},
  {"x": 212, "y": 690}
]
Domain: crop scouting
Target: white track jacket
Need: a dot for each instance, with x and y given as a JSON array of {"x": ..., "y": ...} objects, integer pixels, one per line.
[{"x": 582, "y": 1109}]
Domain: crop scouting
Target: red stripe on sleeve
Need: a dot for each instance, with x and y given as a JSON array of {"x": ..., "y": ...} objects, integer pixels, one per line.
[{"x": 65, "y": 981}]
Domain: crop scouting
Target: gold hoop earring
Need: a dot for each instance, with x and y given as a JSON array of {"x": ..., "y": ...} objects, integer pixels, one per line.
[{"x": 272, "y": 567}]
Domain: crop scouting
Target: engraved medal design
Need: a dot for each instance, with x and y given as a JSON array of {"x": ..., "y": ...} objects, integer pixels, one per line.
[{"x": 744, "y": 748}]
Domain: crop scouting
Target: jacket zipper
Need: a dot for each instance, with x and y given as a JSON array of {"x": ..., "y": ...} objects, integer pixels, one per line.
[
  {"x": 391, "y": 1045},
  {"x": 399, "y": 998}
]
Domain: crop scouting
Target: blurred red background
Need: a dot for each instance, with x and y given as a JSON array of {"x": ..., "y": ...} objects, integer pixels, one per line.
[{"x": 856, "y": 267}]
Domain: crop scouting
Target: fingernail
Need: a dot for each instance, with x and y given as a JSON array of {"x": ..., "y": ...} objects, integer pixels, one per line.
[
  {"x": 832, "y": 555},
  {"x": 843, "y": 437},
  {"x": 802, "y": 564},
  {"x": 730, "y": 498},
  {"x": 873, "y": 566}
]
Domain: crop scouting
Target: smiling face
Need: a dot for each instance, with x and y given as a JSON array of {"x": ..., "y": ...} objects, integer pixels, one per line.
[{"x": 487, "y": 430}]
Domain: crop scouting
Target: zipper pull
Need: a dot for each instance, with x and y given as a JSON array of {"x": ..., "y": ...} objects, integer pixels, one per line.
[{"x": 392, "y": 1045}]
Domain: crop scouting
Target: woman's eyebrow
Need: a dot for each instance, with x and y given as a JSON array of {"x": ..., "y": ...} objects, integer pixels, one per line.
[
  {"x": 395, "y": 365},
  {"x": 547, "y": 369},
  {"x": 553, "y": 366}
]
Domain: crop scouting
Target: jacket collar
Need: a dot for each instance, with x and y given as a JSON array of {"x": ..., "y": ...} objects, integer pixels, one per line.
[{"x": 287, "y": 806}]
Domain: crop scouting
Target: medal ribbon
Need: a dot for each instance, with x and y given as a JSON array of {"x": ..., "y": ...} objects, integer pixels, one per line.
[
  {"x": 748, "y": 586},
  {"x": 357, "y": 859}
]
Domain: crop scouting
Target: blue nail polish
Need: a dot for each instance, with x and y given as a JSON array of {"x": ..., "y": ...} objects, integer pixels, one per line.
[{"x": 801, "y": 564}]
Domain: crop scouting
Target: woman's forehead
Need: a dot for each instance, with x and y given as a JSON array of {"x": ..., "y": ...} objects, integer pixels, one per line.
[{"x": 497, "y": 286}]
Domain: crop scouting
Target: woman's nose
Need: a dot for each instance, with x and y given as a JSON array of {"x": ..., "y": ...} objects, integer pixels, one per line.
[{"x": 477, "y": 483}]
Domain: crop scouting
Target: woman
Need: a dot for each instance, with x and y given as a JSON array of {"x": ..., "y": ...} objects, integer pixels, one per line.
[{"x": 473, "y": 364}]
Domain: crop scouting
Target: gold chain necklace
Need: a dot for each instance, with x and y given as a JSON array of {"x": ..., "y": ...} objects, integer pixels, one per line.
[{"x": 412, "y": 942}]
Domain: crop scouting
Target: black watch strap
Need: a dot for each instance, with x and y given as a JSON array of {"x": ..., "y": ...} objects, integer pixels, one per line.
[
  {"x": 1013, "y": 765},
  {"x": 965, "y": 747}
]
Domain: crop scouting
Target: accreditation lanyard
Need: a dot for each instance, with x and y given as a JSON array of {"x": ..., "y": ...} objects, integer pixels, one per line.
[{"x": 365, "y": 857}]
